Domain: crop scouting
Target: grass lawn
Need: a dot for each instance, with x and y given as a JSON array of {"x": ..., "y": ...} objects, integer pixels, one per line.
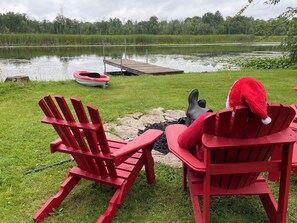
[{"x": 25, "y": 145}]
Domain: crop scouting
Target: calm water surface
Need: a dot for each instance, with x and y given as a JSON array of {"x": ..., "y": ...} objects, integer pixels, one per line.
[{"x": 60, "y": 63}]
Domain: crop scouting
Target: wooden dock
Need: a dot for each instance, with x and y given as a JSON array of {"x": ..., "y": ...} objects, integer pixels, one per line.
[{"x": 138, "y": 68}]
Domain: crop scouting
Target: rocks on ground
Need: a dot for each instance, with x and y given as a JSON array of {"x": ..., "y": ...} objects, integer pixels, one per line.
[{"x": 131, "y": 126}]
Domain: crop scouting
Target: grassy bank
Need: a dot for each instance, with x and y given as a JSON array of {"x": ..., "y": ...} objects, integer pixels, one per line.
[
  {"x": 62, "y": 40},
  {"x": 25, "y": 145}
]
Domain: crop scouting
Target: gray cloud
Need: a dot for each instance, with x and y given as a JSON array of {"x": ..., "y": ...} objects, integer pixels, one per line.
[{"x": 137, "y": 10}]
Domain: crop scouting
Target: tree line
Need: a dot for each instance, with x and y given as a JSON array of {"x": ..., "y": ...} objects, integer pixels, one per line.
[{"x": 209, "y": 23}]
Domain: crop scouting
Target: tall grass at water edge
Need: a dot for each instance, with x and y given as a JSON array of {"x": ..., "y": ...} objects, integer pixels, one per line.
[
  {"x": 25, "y": 146},
  {"x": 61, "y": 40}
]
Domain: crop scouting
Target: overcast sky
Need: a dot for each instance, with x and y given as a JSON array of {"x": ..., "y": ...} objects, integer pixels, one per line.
[{"x": 137, "y": 10}]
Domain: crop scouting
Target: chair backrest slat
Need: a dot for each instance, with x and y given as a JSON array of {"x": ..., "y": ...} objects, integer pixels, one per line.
[
  {"x": 248, "y": 154},
  {"x": 237, "y": 130},
  {"x": 95, "y": 117},
  {"x": 82, "y": 117},
  {"x": 100, "y": 134},
  {"x": 221, "y": 129}
]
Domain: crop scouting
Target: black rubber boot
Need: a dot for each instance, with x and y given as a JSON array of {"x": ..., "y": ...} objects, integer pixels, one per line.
[
  {"x": 195, "y": 107},
  {"x": 202, "y": 103}
]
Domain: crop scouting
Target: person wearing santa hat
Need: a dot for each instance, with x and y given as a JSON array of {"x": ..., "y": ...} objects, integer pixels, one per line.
[{"x": 245, "y": 91}]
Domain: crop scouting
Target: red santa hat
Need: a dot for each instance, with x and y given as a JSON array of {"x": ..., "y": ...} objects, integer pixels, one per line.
[{"x": 251, "y": 92}]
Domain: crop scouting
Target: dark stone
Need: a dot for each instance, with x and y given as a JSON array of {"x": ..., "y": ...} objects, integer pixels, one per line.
[{"x": 161, "y": 143}]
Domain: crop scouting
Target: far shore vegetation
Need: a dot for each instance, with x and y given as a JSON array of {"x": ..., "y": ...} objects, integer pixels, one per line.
[
  {"x": 17, "y": 40},
  {"x": 209, "y": 23}
]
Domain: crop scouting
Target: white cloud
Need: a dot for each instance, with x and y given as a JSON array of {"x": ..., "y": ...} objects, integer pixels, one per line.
[{"x": 137, "y": 10}]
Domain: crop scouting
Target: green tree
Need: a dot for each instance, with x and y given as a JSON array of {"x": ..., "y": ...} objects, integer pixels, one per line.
[
  {"x": 15, "y": 22},
  {"x": 59, "y": 24},
  {"x": 174, "y": 27},
  {"x": 88, "y": 28},
  {"x": 290, "y": 42},
  {"x": 239, "y": 25},
  {"x": 214, "y": 21},
  {"x": 153, "y": 25},
  {"x": 102, "y": 27},
  {"x": 114, "y": 26},
  {"x": 192, "y": 25},
  {"x": 128, "y": 27}
]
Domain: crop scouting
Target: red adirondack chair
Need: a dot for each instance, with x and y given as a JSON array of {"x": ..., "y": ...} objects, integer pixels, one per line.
[
  {"x": 237, "y": 151},
  {"x": 293, "y": 126},
  {"x": 111, "y": 162},
  {"x": 274, "y": 176}
]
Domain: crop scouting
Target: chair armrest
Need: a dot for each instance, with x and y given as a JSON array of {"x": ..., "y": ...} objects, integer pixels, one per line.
[
  {"x": 55, "y": 144},
  {"x": 172, "y": 133},
  {"x": 286, "y": 136},
  {"x": 145, "y": 139}
]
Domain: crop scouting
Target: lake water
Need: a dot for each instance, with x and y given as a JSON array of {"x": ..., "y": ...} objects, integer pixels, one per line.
[{"x": 59, "y": 63}]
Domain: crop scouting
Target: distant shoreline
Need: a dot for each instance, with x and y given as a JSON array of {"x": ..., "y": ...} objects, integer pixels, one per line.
[{"x": 61, "y": 40}]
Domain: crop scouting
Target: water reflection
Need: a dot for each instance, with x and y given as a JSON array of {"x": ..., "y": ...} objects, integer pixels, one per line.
[{"x": 59, "y": 63}]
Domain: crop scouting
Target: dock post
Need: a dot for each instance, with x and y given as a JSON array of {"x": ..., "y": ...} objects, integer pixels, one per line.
[
  {"x": 125, "y": 49},
  {"x": 103, "y": 48},
  {"x": 121, "y": 65}
]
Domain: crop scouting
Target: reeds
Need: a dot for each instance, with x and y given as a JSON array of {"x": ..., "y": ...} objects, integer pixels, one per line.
[{"x": 62, "y": 40}]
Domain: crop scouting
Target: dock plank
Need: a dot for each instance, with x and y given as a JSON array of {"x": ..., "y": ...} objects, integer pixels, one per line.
[{"x": 139, "y": 68}]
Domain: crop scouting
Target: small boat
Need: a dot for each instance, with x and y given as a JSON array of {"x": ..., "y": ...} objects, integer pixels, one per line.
[{"x": 91, "y": 78}]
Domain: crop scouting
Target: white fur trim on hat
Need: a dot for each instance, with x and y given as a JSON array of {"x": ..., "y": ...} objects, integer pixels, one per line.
[
  {"x": 266, "y": 121},
  {"x": 227, "y": 102}
]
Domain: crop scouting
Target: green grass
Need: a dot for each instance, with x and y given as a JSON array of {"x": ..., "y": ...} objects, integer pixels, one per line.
[{"x": 25, "y": 145}]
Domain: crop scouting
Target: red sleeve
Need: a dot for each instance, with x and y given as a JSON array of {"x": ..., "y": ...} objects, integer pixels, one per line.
[{"x": 193, "y": 134}]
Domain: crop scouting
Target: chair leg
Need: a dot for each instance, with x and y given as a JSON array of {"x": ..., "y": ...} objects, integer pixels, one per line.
[
  {"x": 206, "y": 198},
  {"x": 149, "y": 165},
  {"x": 120, "y": 194},
  {"x": 196, "y": 206},
  {"x": 284, "y": 186},
  {"x": 112, "y": 208},
  {"x": 269, "y": 205},
  {"x": 56, "y": 200},
  {"x": 185, "y": 169},
  {"x": 274, "y": 176}
]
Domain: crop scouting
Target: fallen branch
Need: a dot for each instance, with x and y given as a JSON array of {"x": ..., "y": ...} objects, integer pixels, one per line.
[{"x": 46, "y": 167}]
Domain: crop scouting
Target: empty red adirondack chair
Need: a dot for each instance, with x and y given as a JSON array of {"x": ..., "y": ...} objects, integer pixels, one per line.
[
  {"x": 235, "y": 156},
  {"x": 111, "y": 162}
]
